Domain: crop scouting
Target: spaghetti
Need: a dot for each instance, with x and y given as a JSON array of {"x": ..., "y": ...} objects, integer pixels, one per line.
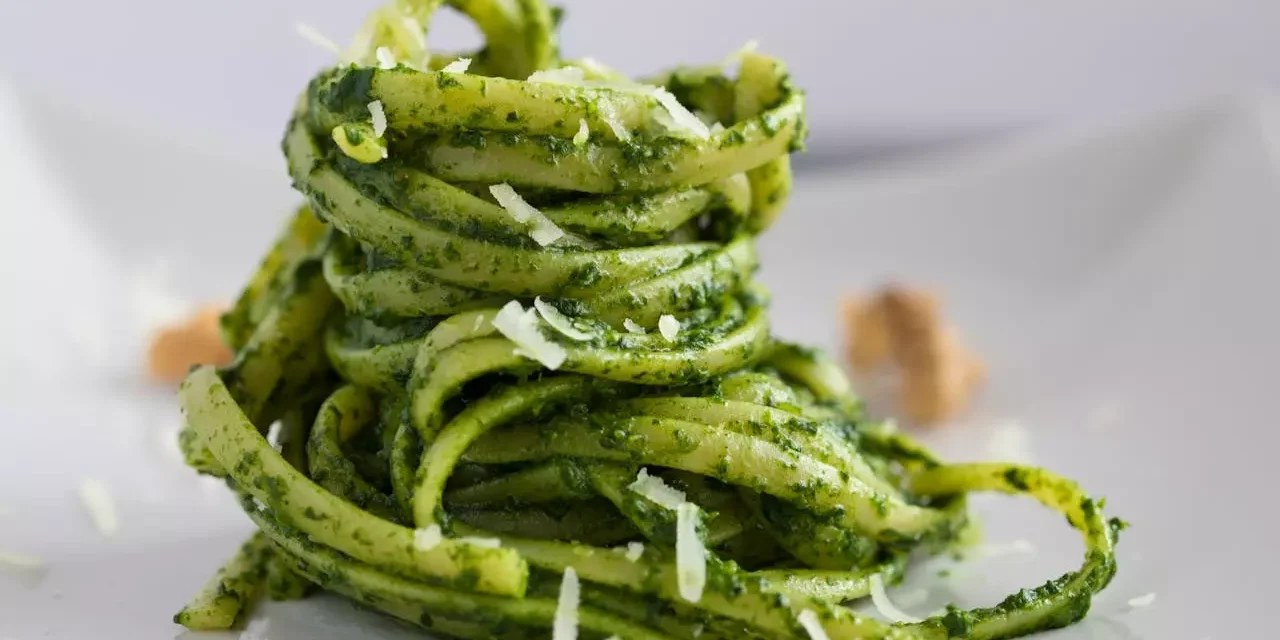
[{"x": 514, "y": 347}]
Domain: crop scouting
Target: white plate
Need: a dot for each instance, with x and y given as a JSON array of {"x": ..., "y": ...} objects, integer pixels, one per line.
[{"x": 1120, "y": 284}]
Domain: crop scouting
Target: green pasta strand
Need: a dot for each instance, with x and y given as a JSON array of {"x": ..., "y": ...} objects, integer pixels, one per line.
[{"x": 514, "y": 329}]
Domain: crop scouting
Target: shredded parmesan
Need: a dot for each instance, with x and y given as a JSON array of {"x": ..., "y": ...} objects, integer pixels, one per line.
[
  {"x": 809, "y": 620},
  {"x": 565, "y": 624},
  {"x": 386, "y": 59},
  {"x": 273, "y": 435},
  {"x": 1017, "y": 547},
  {"x": 543, "y": 231},
  {"x": 634, "y": 551},
  {"x": 609, "y": 114},
  {"x": 379, "y": 118},
  {"x": 669, "y": 327},
  {"x": 885, "y": 606},
  {"x": 734, "y": 59},
  {"x": 682, "y": 120},
  {"x": 1010, "y": 442},
  {"x": 521, "y": 327},
  {"x": 1144, "y": 600},
  {"x": 427, "y": 539},
  {"x": 559, "y": 321},
  {"x": 691, "y": 554},
  {"x": 479, "y": 321},
  {"x": 487, "y": 543},
  {"x": 580, "y": 138},
  {"x": 102, "y": 509},
  {"x": 20, "y": 560},
  {"x": 256, "y": 629},
  {"x": 653, "y": 488},
  {"x": 457, "y": 66},
  {"x": 570, "y": 76},
  {"x": 315, "y": 37},
  {"x": 631, "y": 326}
]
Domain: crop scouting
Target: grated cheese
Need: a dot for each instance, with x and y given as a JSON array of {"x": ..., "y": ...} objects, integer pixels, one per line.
[
  {"x": 634, "y": 551},
  {"x": 734, "y": 59},
  {"x": 315, "y": 37},
  {"x": 521, "y": 327},
  {"x": 669, "y": 327},
  {"x": 609, "y": 114},
  {"x": 885, "y": 606},
  {"x": 691, "y": 554},
  {"x": 102, "y": 509},
  {"x": 1017, "y": 547},
  {"x": 809, "y": 620},
  {"x": 559, "y": 321},
  {"x": 580, "y": 138},
  {"x": 653, "y": 488},
  {"x": 1010, "y": 442},
  {"x": 568, "y": 76},
  {"x": 457, "y": 66},
  {"x": 20, "y": 560},
  {"x": 565, "y": 624},
  {"x": 1144, "y": 600},
  {"x": 273, "y": 435},
  {"x": 379, "y": 118},
  {"x": 631, "y": 326},
  {"x": 255, "y": 630},
  {"x": 544, "y": 231},
  {"x": 427, "y": 539},
  {"x": 386, "y": 59},
  {"x": 682, "y": 120},
  {"x": 487, "y": 543}
]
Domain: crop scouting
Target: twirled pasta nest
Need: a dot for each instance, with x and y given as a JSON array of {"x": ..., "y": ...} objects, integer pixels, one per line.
[{"x": 460, "y": 462}]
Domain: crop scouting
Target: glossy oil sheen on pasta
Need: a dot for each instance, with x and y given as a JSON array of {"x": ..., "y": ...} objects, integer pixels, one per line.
[{"x": 513, "y": 330}]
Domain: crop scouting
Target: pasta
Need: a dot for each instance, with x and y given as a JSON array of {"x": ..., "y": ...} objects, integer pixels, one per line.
[{"x": 514, "y": 347}]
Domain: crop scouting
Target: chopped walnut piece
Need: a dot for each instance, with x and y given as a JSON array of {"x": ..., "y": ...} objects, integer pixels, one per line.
[
  {"x": 902, "y": 328},
  {"x": 178, "y": 347}
]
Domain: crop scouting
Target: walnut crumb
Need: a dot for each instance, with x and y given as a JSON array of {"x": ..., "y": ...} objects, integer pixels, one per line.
[
  {"x": 197, "y": 340},
  {"x": 902, "y": 328}
]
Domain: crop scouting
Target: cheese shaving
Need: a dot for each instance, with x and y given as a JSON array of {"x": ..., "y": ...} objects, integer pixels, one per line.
[
  {"x": 580, "y": 138},
  {"x": 609, "y": 114},
  {"x": 568, "y": 76},
  {"x": 631, "y": 326},
  {"x": 315, "y": 37},
  {"x": 682, "y": 119},
  {"x": 101, "y": 507},
  {"x": 457, "y": 66},
  {"x": 565, "y": 624},
  {"x": 1144, "y": 600},
  {"x": 487, "y": 543},
  {"x": 669, "y": 327},
  {"x": 812, "y": 625},
  {"x": 653, "y": 488},
  {"x": 544, "y": 231},
  {"x": 273, "y": 435},
  {"x": 20, "y": 560},
  {"x": 734, "y": 59},
  {"x": 691, "y": 554},
  {"x": 521, "y": 327},
  {"x": 634, "y": 551},
  {"x": 885, "y": 606},
  {"x": 427, "y": 539},
  {"x": 379, "y": 118},
  {"x": 256, "y": 629},
  {"x": 559, "y": 321},
  {"x": 386, "y": 59}
]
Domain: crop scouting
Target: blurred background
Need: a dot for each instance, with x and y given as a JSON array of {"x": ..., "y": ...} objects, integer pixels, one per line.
[{"x": 885, "y": 76}]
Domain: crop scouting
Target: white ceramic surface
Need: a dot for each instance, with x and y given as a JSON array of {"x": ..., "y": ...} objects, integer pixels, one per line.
[{"x": 1120, "y": 283}]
